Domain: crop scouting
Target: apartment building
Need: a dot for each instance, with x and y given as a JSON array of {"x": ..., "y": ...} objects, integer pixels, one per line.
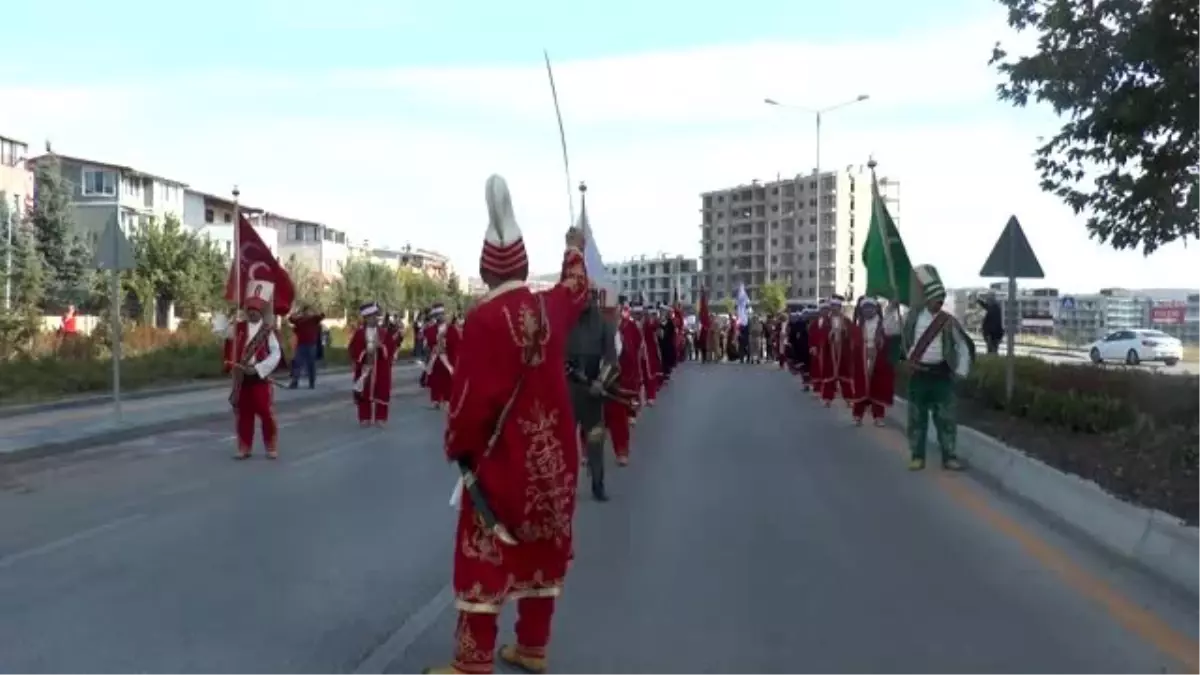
[
  {"x": 769, "y": 231},
  {"x": 322, "y": 248},
  {"x": 16, "y": 179},
  {"x": 1180, "y": 318},
  {"x": 656, "y": 278},
  {"x": 98, "y": 189},
  {"x": 430, "y": 263},
  {"x": 213, "y": 217}
]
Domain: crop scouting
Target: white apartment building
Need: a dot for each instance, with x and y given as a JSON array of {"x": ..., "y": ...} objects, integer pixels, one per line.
[
  {"x": 213, "y": 217},
  {"x": 656, "y": 278},
  {"x": 425, "y": 261},
  {"x": 99, "y": 189},
  {"x": 762, "y": 232},
  {"x": 16, "y": 179},
  {"x": 322, "y": 248}
]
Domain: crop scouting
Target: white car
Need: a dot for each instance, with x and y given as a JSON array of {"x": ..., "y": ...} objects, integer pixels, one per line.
[{"x": 1136, "y": 346}]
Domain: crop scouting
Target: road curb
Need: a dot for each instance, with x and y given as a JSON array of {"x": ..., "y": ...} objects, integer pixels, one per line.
[
  {"x": 130, "y": 433},
  {"x": 1156, "y": 542}
]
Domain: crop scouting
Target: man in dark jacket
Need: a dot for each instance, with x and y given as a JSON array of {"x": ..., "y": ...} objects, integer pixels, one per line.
[
  {"x": 993, "y": 323},
  {"x": 591, "y": 370}
]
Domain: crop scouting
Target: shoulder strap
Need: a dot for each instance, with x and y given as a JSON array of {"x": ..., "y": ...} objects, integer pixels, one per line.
[{"x": 928, "y": 336}]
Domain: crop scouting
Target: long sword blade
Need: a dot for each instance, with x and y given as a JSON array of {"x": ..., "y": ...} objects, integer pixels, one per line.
[{"x": 562, "y": 137}]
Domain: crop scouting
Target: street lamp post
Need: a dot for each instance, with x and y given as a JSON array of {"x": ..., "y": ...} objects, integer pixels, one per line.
[{"x": 819, "y": 113}]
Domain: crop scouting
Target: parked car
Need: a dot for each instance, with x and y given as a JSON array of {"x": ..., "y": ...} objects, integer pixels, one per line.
[{"x": 1135, "y": 346}]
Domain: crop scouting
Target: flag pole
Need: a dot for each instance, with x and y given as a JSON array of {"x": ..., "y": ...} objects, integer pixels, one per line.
[
  {"x": 237, "y": 252},
  {"x": 877, "y": 202}
]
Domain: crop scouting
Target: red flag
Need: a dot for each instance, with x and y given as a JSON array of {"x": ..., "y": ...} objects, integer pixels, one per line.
[{"x": 258, "y": 264}]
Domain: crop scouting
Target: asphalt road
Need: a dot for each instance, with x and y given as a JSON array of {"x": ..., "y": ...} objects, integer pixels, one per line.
[{"x": 754, "y": 532}]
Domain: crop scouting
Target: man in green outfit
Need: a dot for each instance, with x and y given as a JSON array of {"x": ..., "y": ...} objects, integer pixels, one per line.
[{"x": 940, "y": 352}]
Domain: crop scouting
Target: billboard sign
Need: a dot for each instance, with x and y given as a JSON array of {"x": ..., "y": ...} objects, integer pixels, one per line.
[{"x": 1168, "y": 314}]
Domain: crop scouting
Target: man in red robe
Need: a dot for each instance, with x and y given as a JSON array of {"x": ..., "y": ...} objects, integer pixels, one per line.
[
  {"x": 818, "y": 336},
  {"x": 439, "y": 366},
  {"x": 652, "y": 360},
  {"x": 874, "y": 350},
  {"x": 372, "y": 350},
  {"x": 511, "y": 427},
  {"x": 835, "y": 355},
  {"x": 252, "y": 354},
  {"x": 617, "y": 416}
]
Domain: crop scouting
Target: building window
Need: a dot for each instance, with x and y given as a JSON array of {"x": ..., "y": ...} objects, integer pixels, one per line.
[
  {"x": 99, "y": 183},
  {"x": 227, "y": 217},
  {"x": 208, "y": 215}
]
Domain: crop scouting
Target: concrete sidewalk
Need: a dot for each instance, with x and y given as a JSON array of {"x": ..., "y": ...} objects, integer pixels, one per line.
[{"x": 55, "y": 430}]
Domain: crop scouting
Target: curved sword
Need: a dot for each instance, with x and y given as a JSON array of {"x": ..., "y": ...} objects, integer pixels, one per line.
[{"x": 562, "y": 137}]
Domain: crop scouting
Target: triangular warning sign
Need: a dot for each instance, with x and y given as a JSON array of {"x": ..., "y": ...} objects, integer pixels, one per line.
[
  {"x": 1012, "y": 256},
  {"x": 113, "y": 251}
]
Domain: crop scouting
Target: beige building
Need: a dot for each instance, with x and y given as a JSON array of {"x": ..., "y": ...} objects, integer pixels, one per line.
[
  {"x": 763, "y": 232},
  {"x": 655, "y": 279},
  {"x": 16, "y": 180}
]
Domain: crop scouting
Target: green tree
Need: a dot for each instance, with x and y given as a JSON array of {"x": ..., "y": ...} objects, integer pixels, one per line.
[
  {"x": 1125, "y": 75},
  {"x": 20, "y": 323},
  {"x": 362, "y": 281},
  {"x": 420, "y": 291},
  {"x": 173, "y": 266},
  {"x": 52, "y": 225},
  {"x": 311, "y": 287},
  {"x": 772, "y": 297}
]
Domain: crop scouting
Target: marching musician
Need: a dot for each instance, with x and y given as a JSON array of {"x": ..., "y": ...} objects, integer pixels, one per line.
[
  {"x": 443, "y": 347},
  {"x": 835, "y": 355},
  {"x": 511, "y": 429},
  {"x": 372, "y": 350},
  {"x": 618, "y": 417},
  {"x": 252, "y": 354}
]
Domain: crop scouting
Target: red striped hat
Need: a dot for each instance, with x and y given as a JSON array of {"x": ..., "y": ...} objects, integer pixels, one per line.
[{"x": 503, "y": 257}]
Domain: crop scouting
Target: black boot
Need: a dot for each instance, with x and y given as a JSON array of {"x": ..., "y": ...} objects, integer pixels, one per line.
[{"x": 598, "y": 491}]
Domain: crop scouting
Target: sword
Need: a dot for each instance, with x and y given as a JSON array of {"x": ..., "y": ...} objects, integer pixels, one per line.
[{"x": 470, "y": 483}]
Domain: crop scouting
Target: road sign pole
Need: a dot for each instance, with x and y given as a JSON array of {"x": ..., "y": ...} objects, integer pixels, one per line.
[
  {"x": 116, "y": 322},
  {"x": 1010, "y": 347}
]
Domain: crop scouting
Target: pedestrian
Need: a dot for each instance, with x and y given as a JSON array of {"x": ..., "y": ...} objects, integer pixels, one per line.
[
  {"x": 941, "y": 352},
  {"x": 818, "y": 337},
  {"x": 511, "y": 428},
  {"x": 652, "y": 376},
  {"x": 252, "y": 354},
  {"x": 372, "y": 350},
  {"x": 306, "y": 330},
  {"x": 799, "y": 357},
  {"x": 993, "y": 323}
]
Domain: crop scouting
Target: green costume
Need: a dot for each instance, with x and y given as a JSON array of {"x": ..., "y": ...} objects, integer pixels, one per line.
[{"x": 946, "y": 357}]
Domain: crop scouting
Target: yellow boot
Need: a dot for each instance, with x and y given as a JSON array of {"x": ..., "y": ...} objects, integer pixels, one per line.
[{"x": 511, "y": 654}]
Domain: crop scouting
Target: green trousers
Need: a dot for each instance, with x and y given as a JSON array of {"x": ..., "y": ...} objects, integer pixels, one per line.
[{"x": 932, "y": 395}]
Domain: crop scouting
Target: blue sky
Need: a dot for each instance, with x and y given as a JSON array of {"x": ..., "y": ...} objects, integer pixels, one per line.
[{"x": 384, "y": 118}]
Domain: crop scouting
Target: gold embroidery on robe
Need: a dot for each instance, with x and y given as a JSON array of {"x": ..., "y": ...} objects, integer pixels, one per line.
[
  {"x": 479, "y": 543},
  {"x": 467, "y": 654},
  {"x": 549, "y": 486},
  {"x": 475, "y": 600}
]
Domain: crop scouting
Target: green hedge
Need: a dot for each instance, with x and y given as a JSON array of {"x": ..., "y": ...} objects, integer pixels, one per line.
[
  {"x": 1084, "y": 398},
  {"x": 31, "y": 380}
]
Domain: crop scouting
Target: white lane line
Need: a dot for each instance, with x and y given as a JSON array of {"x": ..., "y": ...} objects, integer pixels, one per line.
[
  {"x": 408, "y": 632},
  {"x": 59, "y": 544}
]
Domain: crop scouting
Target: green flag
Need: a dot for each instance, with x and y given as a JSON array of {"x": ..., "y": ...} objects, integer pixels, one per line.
[{"x": 889, "y": 271}]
